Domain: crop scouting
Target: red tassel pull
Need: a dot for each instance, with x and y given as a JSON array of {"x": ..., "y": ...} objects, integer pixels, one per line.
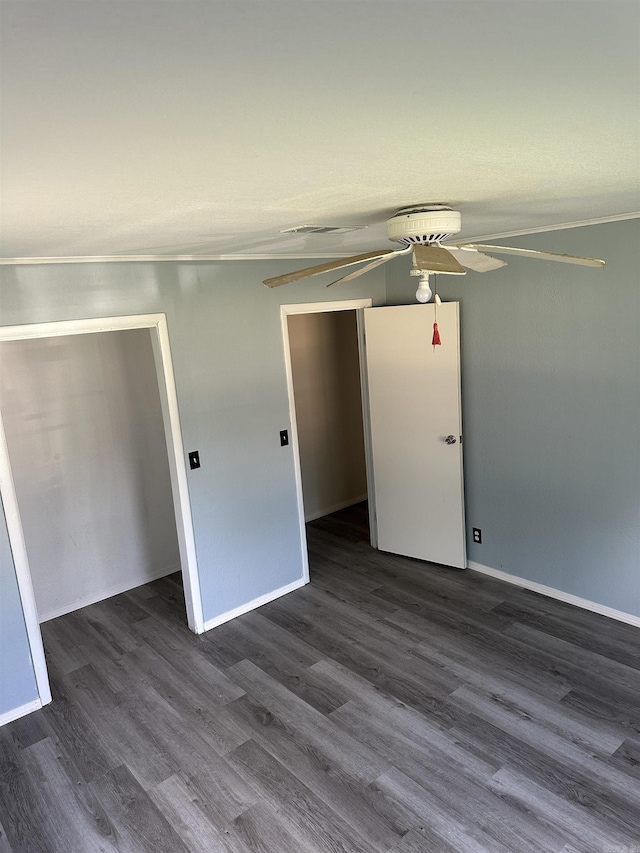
[{"x": 435, "y": 341}]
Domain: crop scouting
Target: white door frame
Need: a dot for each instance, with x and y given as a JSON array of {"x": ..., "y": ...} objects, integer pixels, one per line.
[
  {"x": 357, "y": 305},
  {"x": 157, "y": 323}
]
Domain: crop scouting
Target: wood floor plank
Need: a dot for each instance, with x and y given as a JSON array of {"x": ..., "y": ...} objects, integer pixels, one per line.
[
  {"x": 476, "y": 652},
  {"x": 422, "y": 842},
  {"x": 93, "y": 646},
  {"x": 189, "y": 816},
  {"x": 489, "y": 672},
  {"x": 285, "y": 658},
  {"x": 126, "y": 610},
  {"x": 186, "y": 749},
  {"x": 61, "y": 646},
  {"x": 264, "y": 633},
  {"x": 311, "y": 767},
  {"x": 353, "y": 590},
  {"x": 385, "y": 673},
  {"x": 613, "y": 711},
  {"x": 26, "y": 730},
  {"x": 67, "y": 722},
  {"x": 440, "y": 609},
  {"x": 318, "y": 604},
  {"x": 5, "y": 846},
  {"x": 425, "y": 810},
  {"x": 591, "y": 662},
  {"x": 262, "y": 830},
  {"x": 127, "y": 737},
  {"x": 392, "y": 648},
  {"x": 573, "y": 821},
  {"x": 222, "y": 646},
  {"x": 140, "y": 825},
  {"x": 592, "y": 624},
  {"x": 564, "y": 747},
  {"x": 419, "y": 749},
  {"x": 627, "y": 757},
  {"x": 589, "y": 781},
  {"x": 392, "y": 706},
  {"x": 196, "y": 701},
  {"x": 177, "y": 648},
  {"x": 103, "y": 619},
  {"x": 551, "y": 665},
  {"x": 76, "y": 820},
  {"x": 453, "y": 772},
  {"x": 23, "y": 810},
  {"x": 599, "y": 641},
  {"x": 357, "y": 761},
  {"x": 306, "y": 816},
  {"x": 523, "y": 707}
]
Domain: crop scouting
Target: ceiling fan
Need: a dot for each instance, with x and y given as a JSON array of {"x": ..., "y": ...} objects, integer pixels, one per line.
[{"x": 421, "y": 229}]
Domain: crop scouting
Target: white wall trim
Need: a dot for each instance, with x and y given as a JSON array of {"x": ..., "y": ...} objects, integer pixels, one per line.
[
  {"x": 109, "y": 592},
  {"x": 329, "y": 509},
  {"x": 312, "y": 308},
  {"x": 366, "y": 428},
  {"x": 178, "y": 474},
  {"x": 558, "y": 594},
  {"x": 79, "y": 327},
  {"x": 21, "y": 566},
  {"x": 157, "y": 323},
  {"x": 256, "y": 602},
  {"x": 320, "y": 307},
  {"x": 22, "y": 711}
]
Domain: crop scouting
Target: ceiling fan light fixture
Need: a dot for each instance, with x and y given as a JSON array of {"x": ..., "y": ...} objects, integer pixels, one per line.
[
  {"x": 421, "y": 229},
  {"x": 424, "y": 225},
  {"x": 424, "y": 293}
]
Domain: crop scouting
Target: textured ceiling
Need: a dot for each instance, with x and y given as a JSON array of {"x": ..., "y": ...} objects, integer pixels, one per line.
[{"x": 207, "y": 127}]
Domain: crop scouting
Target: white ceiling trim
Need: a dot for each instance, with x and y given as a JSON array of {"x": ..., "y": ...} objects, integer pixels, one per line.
[
  {"x": 129, "y": 259},
  {"x": 146, "y": 259}
]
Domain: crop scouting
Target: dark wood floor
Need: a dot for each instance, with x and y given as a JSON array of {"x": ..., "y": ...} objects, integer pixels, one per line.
[{"x": 389, "y": 706}]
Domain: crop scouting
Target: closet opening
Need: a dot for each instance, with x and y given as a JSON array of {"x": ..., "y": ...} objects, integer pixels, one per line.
[
  {"x": 94, "y": 479},
  {"x": 327, "y": 398}
]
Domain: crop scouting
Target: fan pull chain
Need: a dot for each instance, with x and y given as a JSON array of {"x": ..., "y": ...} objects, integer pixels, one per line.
[{"x": 435, "y": 340}]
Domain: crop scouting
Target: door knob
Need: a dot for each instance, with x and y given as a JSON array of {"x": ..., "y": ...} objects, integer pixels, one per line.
[{"x": 451, "y": 439}]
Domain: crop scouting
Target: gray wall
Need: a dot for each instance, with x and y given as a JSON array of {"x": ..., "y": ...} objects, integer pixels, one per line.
[
  {"x": 83, "y": 423},
  {"x": 227, "y": 347},
  {"x": 551, "y": 411}
]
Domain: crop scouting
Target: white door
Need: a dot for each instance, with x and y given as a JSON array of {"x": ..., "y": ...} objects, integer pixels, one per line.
[{"x": 416, "y": 429}]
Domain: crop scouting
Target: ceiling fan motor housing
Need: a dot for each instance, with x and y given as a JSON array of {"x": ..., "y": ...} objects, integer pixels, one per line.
[{"x": 424, "y": 224}]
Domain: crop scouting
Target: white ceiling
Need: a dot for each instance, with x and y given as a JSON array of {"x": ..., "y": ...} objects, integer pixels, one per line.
[{"x": 207, "y": 127}]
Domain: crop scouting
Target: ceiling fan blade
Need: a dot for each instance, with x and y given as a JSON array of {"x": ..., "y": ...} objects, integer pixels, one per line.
[
  {"x": 532, "y": 253},
  {"x": 361, "y": 271},
  {"x": 436, "y": 259},
  {"x": 474, "y": 260},
  {"x": 278, "y": 280}
]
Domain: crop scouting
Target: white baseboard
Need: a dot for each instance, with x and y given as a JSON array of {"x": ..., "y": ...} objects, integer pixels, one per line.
[
  {"x": 256, "y": 602},
  {"x": 22, "y": 711},
  {"x": 328, "y": 510},
  {"x": 116, "y": 589},
  {"x": 558, "y": 594}
]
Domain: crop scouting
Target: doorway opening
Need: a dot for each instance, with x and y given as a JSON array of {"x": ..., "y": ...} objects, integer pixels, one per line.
[
  {"x": 112, "y": 483},
  {"x": 326, "y": 375}
]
